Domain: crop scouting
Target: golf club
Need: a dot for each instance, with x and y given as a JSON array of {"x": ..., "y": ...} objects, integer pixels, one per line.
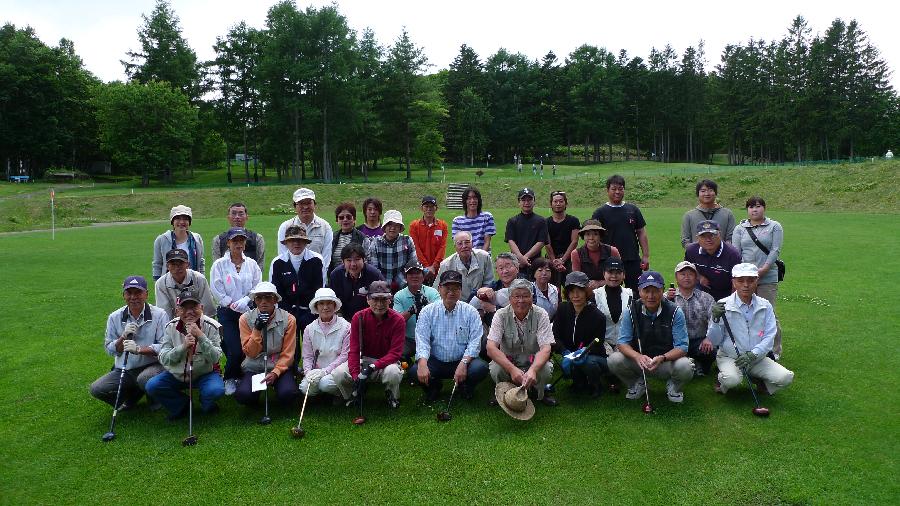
[
  {"x": 360, "y": 390},
  {"x": 191, "y": 440},
  {"x": 758, "y": 410},
  {"x": 444, "y": 416},
  {"x": 265, "y": 420},
  {"x": 109, "y": 436},
  {"x": 648, "y": 408},
  {"x": 298, "y": 432}
]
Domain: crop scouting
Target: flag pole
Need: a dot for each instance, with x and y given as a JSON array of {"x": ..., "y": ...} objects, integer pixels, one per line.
[{"x": 52, "y": 214}]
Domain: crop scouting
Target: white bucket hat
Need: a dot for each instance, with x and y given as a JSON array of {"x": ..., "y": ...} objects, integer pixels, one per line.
[
  {"x": 304, "y": 193},
  {"x": 393, "y": 216},
  {"x": 324, "y": 294},
  {"x": 264, "y": 287},
  {"x": 180, "y": 210}
]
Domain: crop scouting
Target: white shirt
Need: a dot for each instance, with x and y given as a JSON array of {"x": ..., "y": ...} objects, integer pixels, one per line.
[
  {"x": 318, "y": 231},
  {"x": 230, "y": 286}
]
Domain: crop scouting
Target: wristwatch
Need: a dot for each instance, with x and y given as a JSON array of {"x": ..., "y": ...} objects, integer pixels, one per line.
[{"x": 465, "y": 361}]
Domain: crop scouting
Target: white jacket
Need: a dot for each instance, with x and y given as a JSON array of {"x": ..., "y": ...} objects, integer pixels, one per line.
[
  {"x": 612, "y": 329},
  {"x": 756, "y": 335},
  {"x": 333, "y": 347},
  {"x": 230, "y": 286}
]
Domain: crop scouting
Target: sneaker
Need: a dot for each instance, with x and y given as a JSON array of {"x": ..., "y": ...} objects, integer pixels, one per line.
[
  {"x": 230, "y": 386},
  {"x": 636, "y": 391},
  {"x": 673, "y": 393},
  {"x": 392, "y": 401}
]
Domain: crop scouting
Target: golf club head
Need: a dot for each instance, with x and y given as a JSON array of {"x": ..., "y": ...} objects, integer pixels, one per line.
[
  {"x": 265, "y": 420},
  {"x": 189, "y": 441},
  {"x": 109, "y": 436},
  {"x": 297, "y": 432},
  {"x": 761, "y": 412},
  {"x": 359, "y": 420},
  {"x": 648, "y": 408},
  {"x": 444, "y": 416}
]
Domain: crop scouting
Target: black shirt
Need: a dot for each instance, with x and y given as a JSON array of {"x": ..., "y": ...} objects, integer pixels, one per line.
[
  {"x": 561, "y": 233},
  {"x": 621, "y": 224},
  {"x": 526, "y": 230}
]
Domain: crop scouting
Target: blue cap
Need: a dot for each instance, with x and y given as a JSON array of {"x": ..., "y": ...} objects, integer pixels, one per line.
[
  {"x": 651, "y": 278},
  {"x": 134, "y": 282},
  {"x": 235, "y": 232}
]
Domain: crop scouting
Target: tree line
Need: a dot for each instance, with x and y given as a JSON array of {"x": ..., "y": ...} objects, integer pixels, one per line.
[{"x": 305, "y": 96}]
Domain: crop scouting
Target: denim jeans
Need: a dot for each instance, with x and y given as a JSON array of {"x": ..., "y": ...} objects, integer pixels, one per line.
[
  {"x": 169, "y": 390},
  {"x": 478, "y": 370},
  {"x": 591, "y": 370}
]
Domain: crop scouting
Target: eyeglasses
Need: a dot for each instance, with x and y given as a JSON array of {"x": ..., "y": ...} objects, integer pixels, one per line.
[
  {"x": 553, "y": 194},
  {"x": 344, "y": 217}
]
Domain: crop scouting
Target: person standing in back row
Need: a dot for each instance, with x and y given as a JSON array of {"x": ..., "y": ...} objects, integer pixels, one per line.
[
  {"x": 563, "y": 231},
  {"x": 625, "y": 229},
  {"x": 526, "y": 232},
  {"x": 430, "y": 237},
  {"x": 707, "y": 209},
  {"x": 256, "y": 243},
  {"x": 318, "y": 230}
]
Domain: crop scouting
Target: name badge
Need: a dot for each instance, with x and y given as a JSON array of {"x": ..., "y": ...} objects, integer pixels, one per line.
[{"x": 439, "y": 233}]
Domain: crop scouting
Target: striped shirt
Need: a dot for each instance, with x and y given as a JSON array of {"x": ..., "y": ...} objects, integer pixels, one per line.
[{"x": 479, "y": 226}]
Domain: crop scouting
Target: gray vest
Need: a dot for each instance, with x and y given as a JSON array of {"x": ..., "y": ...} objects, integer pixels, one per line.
[
  {"x": 513, "y": 345},
  {"x": 274, "y": 340}
]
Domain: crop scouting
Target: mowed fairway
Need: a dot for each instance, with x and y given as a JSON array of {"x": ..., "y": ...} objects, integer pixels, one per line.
[{"x": 832, "y": 437}]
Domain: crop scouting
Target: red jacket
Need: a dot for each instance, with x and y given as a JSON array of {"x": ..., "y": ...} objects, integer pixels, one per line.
[
  {"x": 430, "y": 241},
  {"x": 382, "y": 339}
]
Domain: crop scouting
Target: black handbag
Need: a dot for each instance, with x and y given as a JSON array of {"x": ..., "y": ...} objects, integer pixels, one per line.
[{"x": 778, "y": 263}]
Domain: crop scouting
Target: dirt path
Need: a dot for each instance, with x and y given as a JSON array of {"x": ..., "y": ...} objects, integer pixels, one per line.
[{"x": 108, "y": 224}]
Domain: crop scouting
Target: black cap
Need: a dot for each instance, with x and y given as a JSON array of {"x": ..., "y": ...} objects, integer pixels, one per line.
[
  {"x": 188, "y": 295},
  {"x": 448, "y": 277},
  {"x": 428, "y": 199},
  {"x": 414, "y": 267},
  {"x": 613, "y": 264},
  {"x": 526, "y": 192},
  {"x": 178, "y": 255}
]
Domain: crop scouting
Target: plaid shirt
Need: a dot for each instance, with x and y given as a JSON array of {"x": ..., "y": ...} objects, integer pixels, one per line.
[
  {"x": 448, "y": 335},
  {"x": 391, "y": 257},
  {"x": 697, "y": 312}
]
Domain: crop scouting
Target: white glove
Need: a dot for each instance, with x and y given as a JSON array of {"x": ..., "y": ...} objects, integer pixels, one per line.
[
  {"x": 130, "y": 329},
  {"x": 315, "y": 376},
  {"x": 241, "y": 305},
  {"x": 130, "y": 346}
]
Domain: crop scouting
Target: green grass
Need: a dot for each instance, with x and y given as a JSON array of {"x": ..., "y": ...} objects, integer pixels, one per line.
[{"x": 832, "y": 437}]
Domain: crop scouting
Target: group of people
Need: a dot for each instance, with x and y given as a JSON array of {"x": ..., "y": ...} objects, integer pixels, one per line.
[{"x": 346, "y": 306}]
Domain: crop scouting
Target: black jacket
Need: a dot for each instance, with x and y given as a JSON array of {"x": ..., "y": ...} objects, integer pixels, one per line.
[
  {"x": 297, "y": 289},
  {"x": 591, "y": 324}
]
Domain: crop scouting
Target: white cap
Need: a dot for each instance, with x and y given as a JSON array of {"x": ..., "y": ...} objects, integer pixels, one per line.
[
  {"x": 392, "y": 216},
  {"x": 744, "y": 270},
  {"x": 180, "y": 210},
  {"x": 264, "y": 287},
  {"x": 304, "y": 193}
]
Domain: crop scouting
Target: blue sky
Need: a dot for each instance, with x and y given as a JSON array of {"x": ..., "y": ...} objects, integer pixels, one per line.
[{"x": 103, "y": 30}]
